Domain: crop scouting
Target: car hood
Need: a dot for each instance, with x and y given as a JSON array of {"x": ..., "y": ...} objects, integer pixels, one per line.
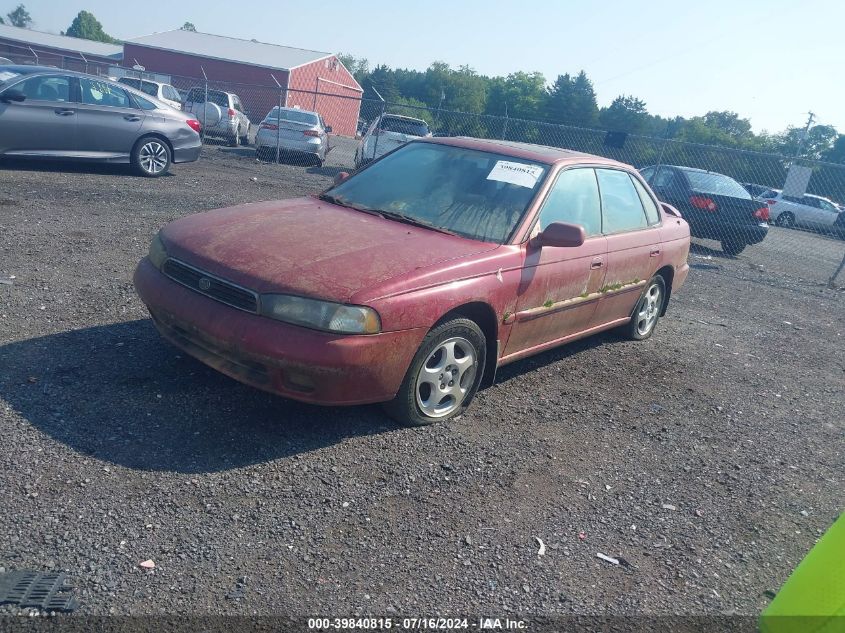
[{"x": 309, "y": 247}]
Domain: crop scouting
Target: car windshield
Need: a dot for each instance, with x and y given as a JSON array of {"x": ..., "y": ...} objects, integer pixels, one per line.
[
  {"x": 716, "y": 184},
  {"x": 411, "y": 127},
  {"x": 297, "y": 116},
  {"x": 475, "y": 194}
]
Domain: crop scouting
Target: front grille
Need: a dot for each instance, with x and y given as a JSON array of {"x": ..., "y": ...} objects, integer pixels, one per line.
[{"x": 210, "y": 286}]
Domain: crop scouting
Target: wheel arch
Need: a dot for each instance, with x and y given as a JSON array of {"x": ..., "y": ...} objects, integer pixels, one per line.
[
  {"x": 157, "y": 135},
  {"x": 485, "y": 317}
]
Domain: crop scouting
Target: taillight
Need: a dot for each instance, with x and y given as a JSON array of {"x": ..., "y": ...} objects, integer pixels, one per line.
[
  {"x": 701, "y": 202},
  {"x": 311, "y": 133},
  {"x": 771, "y": 201},
  {"x": 268, "y": 126},
  {"x": 762, "y": 214},
  {"x": 194, "y": 125},
  {"x": 231, "y": 113}
]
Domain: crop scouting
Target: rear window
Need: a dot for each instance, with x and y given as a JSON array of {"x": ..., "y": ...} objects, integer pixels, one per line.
[
  {"x": 297, "y": 116},
  {"x": 404, "y": 126},
  {"x": 716, "y": 184},
  {"x": 197, "y": 95}
]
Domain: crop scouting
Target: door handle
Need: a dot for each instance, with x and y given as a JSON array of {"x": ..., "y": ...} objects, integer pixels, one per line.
[
  {"x": 597, "y": 263},
  {"x": 132, "y": 117},
  {"x": 63, "y": 112},
  {"x": 655, "y": 253}
]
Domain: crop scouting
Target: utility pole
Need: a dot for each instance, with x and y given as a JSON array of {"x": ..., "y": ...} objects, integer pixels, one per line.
[{"x": 804, "y": 134}]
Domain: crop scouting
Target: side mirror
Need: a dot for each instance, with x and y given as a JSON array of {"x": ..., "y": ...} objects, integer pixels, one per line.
[
  {"x": 12, "y": 94},
  {"x": 328, "y": 129},
  {"x": 341, "y": 177},
  {"x": 562, "y": 235}
]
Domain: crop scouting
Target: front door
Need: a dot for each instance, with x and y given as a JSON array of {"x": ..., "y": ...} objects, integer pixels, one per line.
[
  {"x": 631, "y": 223},
  {"x": 44, "y": 123},
  {"x": 559, "y": 289},
  {"x": 109, "y": 122}
]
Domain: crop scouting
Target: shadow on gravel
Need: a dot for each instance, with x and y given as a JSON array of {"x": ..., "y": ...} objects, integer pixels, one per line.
[
  {"x": 70, "y": 167},
  {"x": 699, "y": 249},
  {"x": 328, "y": 170},
  {"x": 121, "y": 394}
]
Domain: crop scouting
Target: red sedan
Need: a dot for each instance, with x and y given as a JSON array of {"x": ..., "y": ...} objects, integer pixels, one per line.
[{"x": 411, "y": 281}]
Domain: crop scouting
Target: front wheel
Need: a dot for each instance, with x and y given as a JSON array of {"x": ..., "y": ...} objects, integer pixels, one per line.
[
  {"x": 786, "y": 220},
  {"x": 648, "y": 310},
  {"x": 444, "y": 375},
  {"x": 151, "y": 157},
  {"x": 733, "y": 247}
]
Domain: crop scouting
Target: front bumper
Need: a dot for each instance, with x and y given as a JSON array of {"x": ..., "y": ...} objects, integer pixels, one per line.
[{"x": 284, "y": 359}]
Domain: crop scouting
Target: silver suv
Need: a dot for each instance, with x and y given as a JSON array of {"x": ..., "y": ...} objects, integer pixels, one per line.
[{"x": 221, "y": 114}]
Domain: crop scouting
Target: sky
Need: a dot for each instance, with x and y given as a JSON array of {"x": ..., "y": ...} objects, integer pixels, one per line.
[{"x": 771, "y": 61}]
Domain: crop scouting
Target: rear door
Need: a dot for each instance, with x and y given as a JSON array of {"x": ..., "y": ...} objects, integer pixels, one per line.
[
  {"x": 44, "y": 122},
  {"x": 633, "y": 242},
  {"x": 109, "y": 123}
]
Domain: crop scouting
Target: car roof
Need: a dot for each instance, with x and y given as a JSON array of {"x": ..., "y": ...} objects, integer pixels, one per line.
[
  {"x": 528, "y": 151},
  {"x": 403, "y": 117}
]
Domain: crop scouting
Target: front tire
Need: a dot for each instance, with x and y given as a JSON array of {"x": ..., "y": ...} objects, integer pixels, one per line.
[
  {"x": 647, "y": 312},
  {"x": 733, "y": 247},
  {"x": 444, "y": 375},
  {"x": 151, "y": 157}
]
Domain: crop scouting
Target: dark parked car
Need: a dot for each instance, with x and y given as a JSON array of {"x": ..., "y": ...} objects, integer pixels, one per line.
[
  {"x": 411, "y": 281},
  {"x": 58, "y": 114},
  {"x": 716, "y": 206}
]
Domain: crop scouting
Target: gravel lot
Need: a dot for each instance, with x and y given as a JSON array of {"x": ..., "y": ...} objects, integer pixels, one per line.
[{"x": 708, "y": 458}]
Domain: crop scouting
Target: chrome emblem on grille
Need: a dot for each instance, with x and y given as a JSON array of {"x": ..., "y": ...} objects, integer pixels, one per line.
[{"x": 204, "y": 283}]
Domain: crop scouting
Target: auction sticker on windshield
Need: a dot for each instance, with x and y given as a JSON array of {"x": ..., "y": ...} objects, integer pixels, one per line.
[{"x": 518, "y": 174}]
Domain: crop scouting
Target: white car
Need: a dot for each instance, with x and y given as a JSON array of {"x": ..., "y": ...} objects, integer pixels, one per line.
[
  {"x": 386, "y": 133},
  {"x": 221, "y": 114},
  {"x": 808, "y": 211},
  {"x": 163, "y": 92}
]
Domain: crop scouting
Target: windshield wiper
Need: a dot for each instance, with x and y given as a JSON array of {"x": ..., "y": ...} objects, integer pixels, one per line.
[
  {"x": 407, "y": 219},
  {"x": 327, "y": 197}
]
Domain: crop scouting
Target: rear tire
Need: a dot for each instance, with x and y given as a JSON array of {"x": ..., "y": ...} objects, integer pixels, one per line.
[
  {"x": 245, "y": 137},
  {"x": 444, "y": 375},
  {"x": 647, "y": 311},
  {"x": 235, "y": 140},
  {"x": 733, "y": 247},
  {"x": 151, "y": 157}
]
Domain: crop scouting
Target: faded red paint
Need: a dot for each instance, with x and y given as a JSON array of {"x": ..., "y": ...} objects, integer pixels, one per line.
[
  {"x": 256, "y": 87},
  {"x": 411, "y": 276}
]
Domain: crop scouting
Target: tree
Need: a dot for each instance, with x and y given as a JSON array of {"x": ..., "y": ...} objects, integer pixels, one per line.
[
  {"x": 358, "y": 66},
  {"x": 625, "y": 114},
  {"x": 383, "y": 81},
  {"x": 1, "y": 21},
  {"x": 87, "y": 27},
  {"x": 818, "y": 141},
  {"x": 836, "y": 154},
  {"x": 19, "y": 17},
  {"x": 188, "y": 26}
]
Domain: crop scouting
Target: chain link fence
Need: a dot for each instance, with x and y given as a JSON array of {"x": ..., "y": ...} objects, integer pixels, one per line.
[{"x": 336, "y": 128}]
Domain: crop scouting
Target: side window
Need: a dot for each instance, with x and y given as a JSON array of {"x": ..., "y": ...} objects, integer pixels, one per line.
[
  {"x": 100, "y": 93},
  {"x": 170, "y": 93},
  {"x": 651, "y": 212},
  {"x": 807, "y": 201},
  {"x": 236, "y": 103},
  {"x": 827, "y": 206},
  {"x": 620, "y": 204},
  {"x": 647, "y": 173},
  {"x": 574, "y": 198},
  {"x": 664, "y": 178},
  {"x": 45, "y": 88},
  {"x": 143, "y": 104}
]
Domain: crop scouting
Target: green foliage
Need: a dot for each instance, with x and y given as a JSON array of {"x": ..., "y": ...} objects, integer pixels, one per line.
[
  {"x": 1, "y": 21},
  {"x": 188, "y": 26},
  {"x": 19, "y": 16},
  {"x": 87, "y": 27},
  {"x": 625, "y": 114}
]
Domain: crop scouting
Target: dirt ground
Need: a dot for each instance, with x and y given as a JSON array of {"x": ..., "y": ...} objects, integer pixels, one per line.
[{"x": 708, "y": 459}]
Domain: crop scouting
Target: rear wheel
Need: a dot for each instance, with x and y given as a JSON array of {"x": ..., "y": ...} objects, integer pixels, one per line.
[
  {"x": 648, "y": 310},
  {"x": 151, "y": 157},
  {"x": 733, "y": 247},
  {"x": 786, "y": 220},
  {"x": 444, "y": 375},
  {"x": 235, "y": 140},
  {"x": 245, "y": 137}
]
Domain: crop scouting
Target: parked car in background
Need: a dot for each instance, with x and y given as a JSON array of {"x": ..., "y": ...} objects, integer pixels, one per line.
[
  {"x": 222, "y": 115},
  {"x": 293, "y": 132},
  {"x": 755, "y": 190},
  {"x": 411, "y": 281},
  {"x": 387, "y": 133},
  {"x": 716, "y": 206},
  {"x": 163, "y": 92},
  {"x": 59, "y": 114},
  {"x": 807, "y": 211},
  {"x": 5, "y": 61}
]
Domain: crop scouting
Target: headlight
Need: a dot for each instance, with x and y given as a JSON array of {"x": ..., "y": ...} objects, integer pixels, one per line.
[
  {"x": 157, "y": 253},
  {"x": 321, "y": 315}
]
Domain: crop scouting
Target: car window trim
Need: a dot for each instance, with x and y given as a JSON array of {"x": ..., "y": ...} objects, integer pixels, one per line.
[
  {"x": 553, "y": 184},
  {"x": 651, "y": 196}
]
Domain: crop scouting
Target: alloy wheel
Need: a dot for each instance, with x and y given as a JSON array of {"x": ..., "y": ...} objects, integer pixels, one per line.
[
  {"x": 649, "y": 310},
  {"x": 153, "y": 157},
  {"x": 446, "y": 377}
]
